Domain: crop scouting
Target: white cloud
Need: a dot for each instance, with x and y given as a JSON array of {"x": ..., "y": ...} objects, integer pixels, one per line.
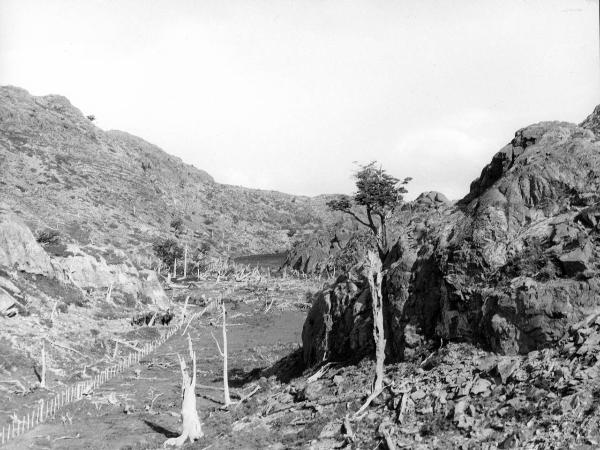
[
  {"x": 442, "y": 159},
  {"x": 285, "y": 94}
]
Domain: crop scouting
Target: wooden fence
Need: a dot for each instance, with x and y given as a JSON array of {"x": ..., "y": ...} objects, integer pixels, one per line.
[{"x": 49, "y": 407}]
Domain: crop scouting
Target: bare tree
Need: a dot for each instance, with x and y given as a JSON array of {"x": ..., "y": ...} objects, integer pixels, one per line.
[
  {"x": 192, "y": 428},
  {"x": 223, "y": 353}
]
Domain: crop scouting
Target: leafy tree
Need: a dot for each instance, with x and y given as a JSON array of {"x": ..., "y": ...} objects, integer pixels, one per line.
[
  {"x": 168, "y": 250},
  {"x": 378, "y": 195}
]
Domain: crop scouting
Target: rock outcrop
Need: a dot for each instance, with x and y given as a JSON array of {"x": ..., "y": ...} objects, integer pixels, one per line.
[
  {"x": 509, "y": 267},
  {"x": 93, "y": 272},
  {"x": 20, "y": 251}
]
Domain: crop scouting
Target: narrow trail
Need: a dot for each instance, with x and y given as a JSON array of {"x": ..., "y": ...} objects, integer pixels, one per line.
[{"x": 140, "y": 409}]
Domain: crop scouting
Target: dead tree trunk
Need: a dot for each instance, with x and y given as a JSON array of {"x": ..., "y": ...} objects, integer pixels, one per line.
[
  {"x": 375, "y": 281},
  {"x": 226, "y": 399},
  {"x": 192, "y": 428},
  {"x": 185, "y": 262},
  {"x": 375, "y": 277}
]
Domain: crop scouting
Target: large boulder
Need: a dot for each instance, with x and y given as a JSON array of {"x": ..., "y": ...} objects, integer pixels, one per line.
[
  {"x": 509, "y": 267},
  {"x": 19, "y": 249},
  {"x": 339, "y": 324}
]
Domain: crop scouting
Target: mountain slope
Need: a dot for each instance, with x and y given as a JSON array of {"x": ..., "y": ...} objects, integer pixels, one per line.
[{"x": 112, "y": 188}]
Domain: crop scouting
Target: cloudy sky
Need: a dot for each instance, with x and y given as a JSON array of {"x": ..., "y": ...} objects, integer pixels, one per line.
[{"x": 287, "y": 94}]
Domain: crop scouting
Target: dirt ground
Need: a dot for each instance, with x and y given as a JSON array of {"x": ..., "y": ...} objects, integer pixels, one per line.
[{"x": 140, "y": 408}]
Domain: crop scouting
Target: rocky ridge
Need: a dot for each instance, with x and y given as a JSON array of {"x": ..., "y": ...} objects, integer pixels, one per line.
[{"x": 509, "y": 267}]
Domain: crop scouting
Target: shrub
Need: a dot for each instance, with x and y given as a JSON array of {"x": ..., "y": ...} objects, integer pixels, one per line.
[
  {"x": 177, "y": 224},
  {"x": 168, "y": 250},
  {"x": 48, "y": 236}
]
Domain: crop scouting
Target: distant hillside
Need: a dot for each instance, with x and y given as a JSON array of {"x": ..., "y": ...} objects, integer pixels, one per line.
[{"x": 60, "y": 171}]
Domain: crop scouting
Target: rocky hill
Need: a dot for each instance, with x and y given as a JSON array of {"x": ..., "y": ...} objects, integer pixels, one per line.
[
  {"x": 109, "y": 188},
  {"x": 510, "y": 267}
]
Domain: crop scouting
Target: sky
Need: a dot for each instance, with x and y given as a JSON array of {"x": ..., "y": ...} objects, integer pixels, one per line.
[{"x": 289, "y": 95}]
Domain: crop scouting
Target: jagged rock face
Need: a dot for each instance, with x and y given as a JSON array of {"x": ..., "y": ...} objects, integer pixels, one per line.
[
  {"x": 592, "y": 122},
  {"x": 514, "y": 263},
  {"x": 339, "y": 324},
  {"x": 517, "y": 267}
]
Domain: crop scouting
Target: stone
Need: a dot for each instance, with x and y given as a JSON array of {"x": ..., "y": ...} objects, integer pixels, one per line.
[
  {"x": 481, "y": 387},
  {"x": 576, "y": 260},
  {"x": 331, "y": 430},
  {"x": 19, "y": 250},
  {"x": 7, "y": 304},
  {"x": 418, "y": 395},
  {"x": 463, "y": 415},
  {"x": 506, "y": 367},
  {"x": 313, "y": 391}
]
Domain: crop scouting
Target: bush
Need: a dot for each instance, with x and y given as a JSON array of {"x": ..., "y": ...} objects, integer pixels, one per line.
[
  {"x": 177, "y": 224},
  {"x": 168, "y": 250},
  {"x": 48, "y": 236}
]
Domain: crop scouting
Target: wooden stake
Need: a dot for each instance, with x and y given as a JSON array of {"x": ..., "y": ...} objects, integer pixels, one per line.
[
  {"x": 43, "y": 375},
  {"x": 109, "y": 292},
  {"x": 185, "y": 261},
  {"x": 53, "y": 311},
  {"x": 184, "y": 309}
]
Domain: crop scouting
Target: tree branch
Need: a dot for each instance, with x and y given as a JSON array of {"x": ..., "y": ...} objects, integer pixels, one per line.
[
  {"x": 356, "y": 217},
  {"x": 218, "y": 346}
]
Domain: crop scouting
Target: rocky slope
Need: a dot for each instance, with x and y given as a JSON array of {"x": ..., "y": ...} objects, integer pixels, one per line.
[
  {"x": 113, "y": 189},
  {"x": 510, "y": 267}
]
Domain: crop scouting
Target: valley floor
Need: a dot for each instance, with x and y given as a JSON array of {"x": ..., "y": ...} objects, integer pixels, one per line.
[{"x": 458, "y": 397}]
